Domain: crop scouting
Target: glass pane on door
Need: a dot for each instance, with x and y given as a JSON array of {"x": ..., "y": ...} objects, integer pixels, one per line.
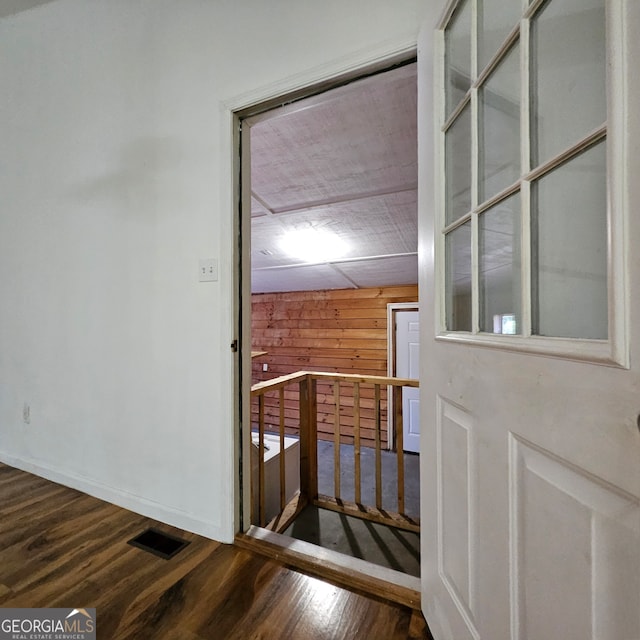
[
  {"x": 458, "y": 278},
  {"x": 569, "y": 97},
  {"x": 569, "y": 248},
  {"x": 458, "y": 167},
  {"x": 499, "y": 142},
  {"x": 500, "y": 268},
  {"x": 458, "y": 56},
  {"x": 496, "y": 20}
]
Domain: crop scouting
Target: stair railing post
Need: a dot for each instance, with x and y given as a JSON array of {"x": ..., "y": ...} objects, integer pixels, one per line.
[{"x": 308, "y": 438}]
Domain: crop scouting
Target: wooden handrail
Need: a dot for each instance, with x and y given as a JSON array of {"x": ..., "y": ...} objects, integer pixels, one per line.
[
  {"x": 276, "y": 383},
  {"x": 354, "y": 377},
  {"x": 283, "y": 381}
]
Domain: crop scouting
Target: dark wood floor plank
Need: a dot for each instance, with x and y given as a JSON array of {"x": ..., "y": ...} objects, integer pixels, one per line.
[
  {"x": 43, "y": 559},
  {"x": 61, "y": 548},
  {"x": 4, "y": 592},
  {"x": 139, "y": 581},
  {"x": 16, "y": 497}
]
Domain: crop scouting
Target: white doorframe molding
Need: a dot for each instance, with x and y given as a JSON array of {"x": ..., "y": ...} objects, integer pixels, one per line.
[{"x": 392, "y": 309}]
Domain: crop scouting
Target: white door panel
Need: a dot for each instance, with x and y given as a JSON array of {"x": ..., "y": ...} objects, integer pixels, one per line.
[
  {"x": 530, "y": 464},
  {"x": 594, "y": 540},
  {"x": 455, "y": 471},
  {"x": 411, "y": 412},
  {"x": 407, "y": 353},
  {"x": 537, "y": 516}
]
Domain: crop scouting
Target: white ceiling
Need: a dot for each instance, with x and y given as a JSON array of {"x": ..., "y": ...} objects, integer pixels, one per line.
[{"x": 346, "y": 161}]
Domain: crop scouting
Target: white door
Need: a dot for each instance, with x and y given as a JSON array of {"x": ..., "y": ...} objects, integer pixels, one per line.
[
  {"x": 408, "y": 366},
  {"x": 530, "y": 464}
]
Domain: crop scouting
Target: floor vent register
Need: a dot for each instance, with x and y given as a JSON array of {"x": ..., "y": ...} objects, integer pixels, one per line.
[{"x": 159, "y": 543}]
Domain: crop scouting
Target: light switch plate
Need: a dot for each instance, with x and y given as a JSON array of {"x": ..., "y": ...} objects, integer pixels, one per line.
[{"x": 208, "y": 270}]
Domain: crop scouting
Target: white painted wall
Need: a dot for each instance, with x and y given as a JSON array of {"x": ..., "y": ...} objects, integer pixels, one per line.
[{"x": 115, "y": 178}]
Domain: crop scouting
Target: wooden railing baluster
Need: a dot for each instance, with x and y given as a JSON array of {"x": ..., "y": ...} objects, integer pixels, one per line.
[
  {"x": 356, "y": 441},
  {"x": 282, "y": 455},
  {"x": 336, "y": 440},
  {"x": 378, "y": 447},
  {"x": 399, "y": 436},
  {"x": 261, "y": 499}
]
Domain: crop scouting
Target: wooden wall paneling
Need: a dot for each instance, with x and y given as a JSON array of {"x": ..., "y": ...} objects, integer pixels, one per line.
[{"x": 338, "y": 331}]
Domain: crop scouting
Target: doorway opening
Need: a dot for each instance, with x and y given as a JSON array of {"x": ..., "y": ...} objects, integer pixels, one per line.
[{"x": 329, "y": 201}]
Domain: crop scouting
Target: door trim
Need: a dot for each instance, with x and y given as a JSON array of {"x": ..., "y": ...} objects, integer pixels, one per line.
[{"x": 392, "y": 309}]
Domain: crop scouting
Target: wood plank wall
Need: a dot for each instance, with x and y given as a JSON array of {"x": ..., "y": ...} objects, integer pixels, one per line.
[{"x": 340, "y": 331}]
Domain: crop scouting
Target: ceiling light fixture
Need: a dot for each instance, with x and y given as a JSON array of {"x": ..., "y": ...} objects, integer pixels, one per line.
[{"x": 313, "y": 245}]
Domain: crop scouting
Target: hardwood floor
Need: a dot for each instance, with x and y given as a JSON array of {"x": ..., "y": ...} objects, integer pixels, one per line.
[{"x": 62, "y": 548}]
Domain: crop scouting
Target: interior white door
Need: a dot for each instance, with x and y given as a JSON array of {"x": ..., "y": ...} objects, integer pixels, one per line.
[
  {"x": 530, "y": 464},
  {"x": 408, "y": 366}
]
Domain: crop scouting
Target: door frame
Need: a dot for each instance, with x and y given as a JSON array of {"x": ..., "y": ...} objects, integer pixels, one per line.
[
  {"x": 332, "y": 75},
  {"x": 392, "y": 309}
]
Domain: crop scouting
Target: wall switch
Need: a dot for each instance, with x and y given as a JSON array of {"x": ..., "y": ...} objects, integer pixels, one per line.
[
  {"x": 265, "y": 366},
  {"x": 208, "y": 271}
]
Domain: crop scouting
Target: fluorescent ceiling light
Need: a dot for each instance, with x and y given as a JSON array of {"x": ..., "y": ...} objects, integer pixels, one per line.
[{"x": 313, "y": 245}]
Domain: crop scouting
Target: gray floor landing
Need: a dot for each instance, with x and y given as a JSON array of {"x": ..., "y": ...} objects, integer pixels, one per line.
[{"x": 376, "y": 543}]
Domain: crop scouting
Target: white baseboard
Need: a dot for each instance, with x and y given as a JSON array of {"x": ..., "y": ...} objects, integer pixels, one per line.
[{"x": 121, "y": 498}]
